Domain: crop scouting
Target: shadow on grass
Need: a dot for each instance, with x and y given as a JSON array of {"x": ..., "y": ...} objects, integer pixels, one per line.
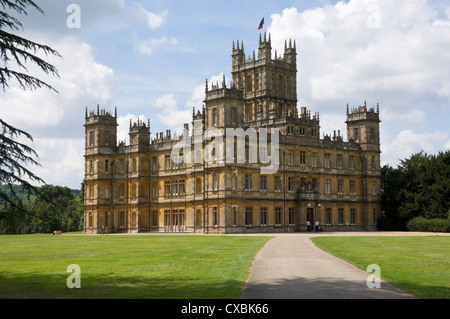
[{"x": 130, "y": 287}]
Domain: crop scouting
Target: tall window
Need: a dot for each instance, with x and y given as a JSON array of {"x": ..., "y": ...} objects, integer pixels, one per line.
[
  {"x": 181, "y": 187},
  {"x": 355, "y": 134},
  {"x": 215, "y": 216},
  {"x": 339, "y": 164},
  {"x": 174, "y": 188},
  {"x": 291, "y": 184},
  {"x": 302, "y": 158},
  {"x": 233, "y": 181},
  {"x": 278, "y": 216},
  {"x": 263, "y": 183},
  {"x": 167, "y": 188},
  {"x": 277, "y": 183},
  {"x": 291, "y": 216},
  {"x": 351, "y": 162},
  {"x": 248, "y": 216},
  {"x": 341, "y": 216},
  {"x": 106, "y": 166},
  {"x": 352, "y": 187},
  {"x": 263, "y": 216},
  {"x": 91, "y": 167},
  {"x": 215, "y": 186},
  {"x": 154, "y": 163},
  {"x": 249, "y": 84},
  {"x": 154, "y": 218},
  {"x": 122, "y": 190},
  {"x": 315, "y": 161},
  {"x": 328, "y": 186},
  {"x": 352, "y": 216},
  {"x": 122, "y": 166},
  {"x": 290, "y": 130},
  {"x": 233, "y": 115},
  {"x": 234, "y": 215},
  {"x": 91, "y": 138},
  {"x": 248, "y": 182},
  {"x": 122, "y": 219},
  {"x": 167, "y": 161},
  {"x": 214, "y": 117},
  {"x": 154, "y": 189},
  {"x": 340, "y": 187},
  {"x": 327, "y": 161},
  {"x": 291, "y": 157},
  {"x": 328, "y": 216}
]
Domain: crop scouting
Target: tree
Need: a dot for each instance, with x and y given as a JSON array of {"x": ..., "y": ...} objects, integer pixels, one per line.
[
  {"x": 16, "y": 50},
  {"x": 418, "y": 187},
  {"x": 14, "y": 157}
]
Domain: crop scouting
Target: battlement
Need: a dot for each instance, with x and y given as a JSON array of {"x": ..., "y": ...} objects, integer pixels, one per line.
[
  {"x": 288, "y": 60},
  {"x": 363, "y": 113},
  {"x": 139, "y": 126},
  {"x": 101, "y": 117}
]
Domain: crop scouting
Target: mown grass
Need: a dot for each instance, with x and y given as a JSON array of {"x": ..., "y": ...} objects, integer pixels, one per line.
[
  {"x": 419, "y": 265},
  {"x": 126, "y": 266}
]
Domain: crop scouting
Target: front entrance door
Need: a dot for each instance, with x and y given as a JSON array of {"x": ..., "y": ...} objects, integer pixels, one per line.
[{"x": 310, "y": 217}]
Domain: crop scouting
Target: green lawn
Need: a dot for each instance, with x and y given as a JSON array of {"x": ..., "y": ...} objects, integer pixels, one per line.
[
  {"x": 419, "y": 265},
  {"x": 126, "y": 266}
]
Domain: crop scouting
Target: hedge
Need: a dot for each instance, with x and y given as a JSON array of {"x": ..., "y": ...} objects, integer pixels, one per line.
[{"x": 435, "y": 225}]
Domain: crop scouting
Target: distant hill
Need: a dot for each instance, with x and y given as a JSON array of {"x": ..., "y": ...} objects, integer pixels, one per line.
[{"x": 23, "y": 194}]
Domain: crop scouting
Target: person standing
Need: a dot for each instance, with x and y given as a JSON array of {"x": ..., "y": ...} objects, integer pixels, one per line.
[
  {"x": 317, "y": 226},
  {"x": 308, "y": 226}
]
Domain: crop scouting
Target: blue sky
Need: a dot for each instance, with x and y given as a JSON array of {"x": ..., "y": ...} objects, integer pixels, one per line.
[{"x": 151, "y": 59}]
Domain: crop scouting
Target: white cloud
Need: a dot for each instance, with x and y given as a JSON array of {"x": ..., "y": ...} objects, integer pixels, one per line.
[
  {"x": 408, "y": 142},
  {"x": 447, "y": 145},
  {"x": 147, "y": 47},
  {"x": 61, "y": 161},
  {"x": 343, "y": 57},
  {"x": 83, "y": 82},
  {"x": 56, "y": 120},
  {"x": 123, "y": 128},
  {"x": 411, "y": 117},
  {"x": 171, "y": 115},
  {"x": 154, "y": 20}
]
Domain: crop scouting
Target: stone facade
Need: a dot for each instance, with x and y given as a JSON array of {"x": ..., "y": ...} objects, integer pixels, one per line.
[{"x": 144, "y": 187}]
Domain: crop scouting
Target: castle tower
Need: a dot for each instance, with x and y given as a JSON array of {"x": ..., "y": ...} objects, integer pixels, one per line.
[
  {"x": 139, "y": 136},
  {"x": 363, "y": 127},
  {"x": 268, "y": 86},
  {"x": 100, "y": 148},
  {"x": 100, "y": 131}
]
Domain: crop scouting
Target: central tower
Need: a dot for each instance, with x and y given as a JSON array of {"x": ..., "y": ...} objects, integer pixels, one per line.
[{"x": 269, "y": 86}]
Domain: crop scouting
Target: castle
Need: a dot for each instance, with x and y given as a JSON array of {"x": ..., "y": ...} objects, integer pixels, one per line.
[{"x": 208, "y": 185}]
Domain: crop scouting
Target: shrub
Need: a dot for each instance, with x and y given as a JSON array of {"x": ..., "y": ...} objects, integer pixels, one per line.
[{"x": 435, "y": 225}]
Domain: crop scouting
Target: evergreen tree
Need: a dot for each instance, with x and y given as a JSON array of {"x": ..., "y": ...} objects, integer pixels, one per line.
[
  {"x": 15, "y": 53},
  {"x": 18, "y": 51}
]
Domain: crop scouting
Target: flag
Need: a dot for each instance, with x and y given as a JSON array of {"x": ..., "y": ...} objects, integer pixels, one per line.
[{"x": 261, "y": 24}]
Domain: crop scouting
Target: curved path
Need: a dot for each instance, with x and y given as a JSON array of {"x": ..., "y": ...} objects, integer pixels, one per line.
[{"x": 290, "y": 266}]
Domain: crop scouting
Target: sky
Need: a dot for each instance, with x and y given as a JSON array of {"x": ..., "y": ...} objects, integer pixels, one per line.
[{"x": 150, "y": 59}]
